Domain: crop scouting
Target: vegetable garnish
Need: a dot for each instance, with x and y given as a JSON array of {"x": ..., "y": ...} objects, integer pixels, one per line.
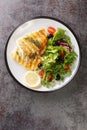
[
  {"x": 51, "y": 30},
  {"x": 58, "y": 57}
]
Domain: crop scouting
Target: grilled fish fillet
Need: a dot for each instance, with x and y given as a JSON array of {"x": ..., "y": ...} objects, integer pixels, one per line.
[
  {"x": 30, "y": 65},
  {"x": 27, "y": 52}
]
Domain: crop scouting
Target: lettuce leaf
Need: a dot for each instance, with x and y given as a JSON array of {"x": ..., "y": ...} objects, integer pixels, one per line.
[
  {"x": 58, "y": 34},
  {"x": 49, "y": 58},
  {"x": 67, "y": 39},
  {"x": 70, "y": 57}
]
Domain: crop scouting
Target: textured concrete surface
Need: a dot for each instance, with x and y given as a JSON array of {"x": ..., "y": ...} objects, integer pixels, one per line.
[{"x": 65, "y": 109}]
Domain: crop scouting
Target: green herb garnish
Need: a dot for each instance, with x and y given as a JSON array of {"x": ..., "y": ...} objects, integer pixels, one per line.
[{"x": 36, "y": 42}]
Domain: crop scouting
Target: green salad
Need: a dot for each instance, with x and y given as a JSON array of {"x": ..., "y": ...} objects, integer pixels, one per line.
[{"x": 58, "y": 57}]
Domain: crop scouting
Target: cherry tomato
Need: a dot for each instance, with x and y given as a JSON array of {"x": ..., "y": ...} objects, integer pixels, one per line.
[
  {"x": 67, "y": 67},
  {"x": 41, "y": 72},
  {"x": 50, "y": 77},
  {"x": 51, "y": 30}
]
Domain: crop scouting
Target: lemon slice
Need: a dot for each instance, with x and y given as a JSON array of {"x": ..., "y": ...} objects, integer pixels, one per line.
[{"x": 32, "y": 79}]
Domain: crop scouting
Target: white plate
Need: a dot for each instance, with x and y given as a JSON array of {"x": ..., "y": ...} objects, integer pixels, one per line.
[{"x": 17, "y": 70}]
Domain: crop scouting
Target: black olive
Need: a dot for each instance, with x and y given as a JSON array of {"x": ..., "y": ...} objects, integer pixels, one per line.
[
  {"x": 58, "y": 59},
  {"x": 57, "y": 77},
  {"x": 55, "y": 43},
  {"x": 39, "y": 65},
  {"x": 49, "y": 36}
]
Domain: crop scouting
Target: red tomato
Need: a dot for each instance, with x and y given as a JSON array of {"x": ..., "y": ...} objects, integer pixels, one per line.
[
  {"x": 67, "y": 67},
  {"x": 51, "y": 30},
  {"x": 41, "y": 73},
  {"x": 50, "y": 77}
]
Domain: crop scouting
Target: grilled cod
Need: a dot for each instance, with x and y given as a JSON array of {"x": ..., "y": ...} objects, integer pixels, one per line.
[{"x": 27, "y": 51}]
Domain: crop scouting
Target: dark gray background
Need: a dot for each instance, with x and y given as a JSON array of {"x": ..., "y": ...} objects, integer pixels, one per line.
[{"x": 65, "y": 109}]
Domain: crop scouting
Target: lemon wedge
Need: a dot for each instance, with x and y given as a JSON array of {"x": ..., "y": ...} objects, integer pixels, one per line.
[{"x": 32, "y": 79}]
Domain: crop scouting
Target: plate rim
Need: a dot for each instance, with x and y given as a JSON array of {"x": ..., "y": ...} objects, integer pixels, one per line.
[{"x": 40, "y": 17}]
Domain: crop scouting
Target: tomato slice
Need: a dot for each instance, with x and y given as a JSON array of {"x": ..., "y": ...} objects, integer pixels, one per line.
[
  {"x": 50, "y": 77},
  {"x": 51, "y": 30},
  {"x": 41, "y": 72},
  {"x": 67, "y": 67}
]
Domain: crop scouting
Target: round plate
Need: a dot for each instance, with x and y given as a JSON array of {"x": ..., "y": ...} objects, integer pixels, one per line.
[{"x": 17, "y": 71}]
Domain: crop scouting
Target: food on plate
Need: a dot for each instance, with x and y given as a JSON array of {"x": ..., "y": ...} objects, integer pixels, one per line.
[
  {"x": 29, "y": 47},
  {"x": 59, "y": 56},
  {"x": 50, "y": 55},
  {"x": 32, "y": 79}
]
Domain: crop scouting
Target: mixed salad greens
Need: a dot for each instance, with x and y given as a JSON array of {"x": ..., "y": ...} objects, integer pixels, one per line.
[{"x": 58, "y": 57}]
